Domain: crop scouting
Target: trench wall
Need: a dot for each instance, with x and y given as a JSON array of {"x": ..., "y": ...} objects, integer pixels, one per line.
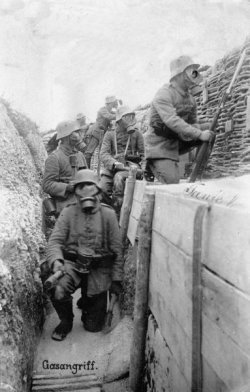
[
  {"x": 22, "y": 244},
  {"x": 225, "y": 337}
]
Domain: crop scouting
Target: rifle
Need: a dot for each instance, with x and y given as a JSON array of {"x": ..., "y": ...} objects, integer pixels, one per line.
[{"x": 206, "y": 147}]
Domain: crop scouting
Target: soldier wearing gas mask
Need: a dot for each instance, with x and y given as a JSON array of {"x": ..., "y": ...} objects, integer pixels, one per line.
[
  {"x": 105, "y": 116},
  {"x": 85, "y": 246},
  {"x": 174, "y": 128},
  {"x": 121, "y": 148},
  {"x": 62, "y": 165}
]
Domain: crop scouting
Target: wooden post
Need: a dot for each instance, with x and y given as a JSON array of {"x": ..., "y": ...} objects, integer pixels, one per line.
[
  {"x": 197, "y": 301},
  {"x": 127, "y": 203},
  {"x": 137, "y": 353}
]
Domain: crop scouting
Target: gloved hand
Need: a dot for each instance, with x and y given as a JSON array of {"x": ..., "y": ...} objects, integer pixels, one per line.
[
  {"x": 119, "y": 166},
  {"x": 206, "y": 136},
  {"x": 58, "y": 266},
  {"x": 70, "y": 187},
  {"x": 116, "y": 287}
]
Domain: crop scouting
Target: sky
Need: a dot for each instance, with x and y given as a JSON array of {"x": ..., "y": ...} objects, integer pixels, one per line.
[{"x": 61, "y": 57}]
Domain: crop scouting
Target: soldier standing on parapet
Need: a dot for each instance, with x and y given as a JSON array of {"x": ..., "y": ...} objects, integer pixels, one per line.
[
  {"x": 174, "y": 129},
  {"x": 81, "y": 119},
  {"x": 85, "y": 246},
  {"x": 62, "y": 165},
  {"x": 104, "y": 119},
  {"x": 121, "y": 147}
]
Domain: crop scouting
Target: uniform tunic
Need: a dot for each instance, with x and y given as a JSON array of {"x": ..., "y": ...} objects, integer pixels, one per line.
[
  {"x": 75, "y": 230},
  {"x": 173, "y": 114},
  {"x": 58, "y": 172}
]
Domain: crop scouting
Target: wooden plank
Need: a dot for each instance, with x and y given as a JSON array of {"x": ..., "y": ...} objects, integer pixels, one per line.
[
  {"x": 179, "y": 343},
  {"x": 137, "y": 354},
  {"x": 132, "y": 229},
  {"x": 170, "y": 286},
  {"x": 161, "y": 368},
  {"x": 227, "y": 245},
  {"x": 211, "y": 381},
  {"x": 230, "y": 363},
  {"x": 91, "y": 376},
  {"x": 140, "y": 187},
  {"x": 65, "y": 388},
  {"x": 170, "y": 282},
  {"x": 135, "y": 213},
  {"x": 228, "y": 308},
  {"x": 197, "y": 299},
  {"x": 174, "y": 219}
]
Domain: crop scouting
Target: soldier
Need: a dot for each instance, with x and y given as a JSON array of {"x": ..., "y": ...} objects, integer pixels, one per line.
[
  {"x": 173, "y": 126},
  {"x": 62, "y": 165},
  {"x": 104, "y": 119},
  {"x": 85, "y": 246},
  {"x": 121, "y": 147}
]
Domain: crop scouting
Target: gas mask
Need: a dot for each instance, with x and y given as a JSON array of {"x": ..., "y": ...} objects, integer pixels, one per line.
[
  {"x": 74, "y": 139},
  {"x": 192, "y": 77},
  {"x": 86, "y": 194},
  {"x": 129, "y": 122}
]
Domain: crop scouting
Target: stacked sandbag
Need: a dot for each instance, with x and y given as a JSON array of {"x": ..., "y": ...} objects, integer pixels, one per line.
[{"x": 231, "y": 152}]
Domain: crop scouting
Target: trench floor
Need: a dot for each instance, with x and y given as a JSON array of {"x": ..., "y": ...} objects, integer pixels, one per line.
[{"x": 82, "y": 352}]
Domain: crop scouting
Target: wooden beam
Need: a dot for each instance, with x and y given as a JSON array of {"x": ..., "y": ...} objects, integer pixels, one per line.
[
  {"x": 137, "y": 356},
  {"x": 127, "y": 203}
]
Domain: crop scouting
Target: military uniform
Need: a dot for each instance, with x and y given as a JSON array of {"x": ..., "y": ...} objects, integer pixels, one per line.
[
  {"x": 113, "y": 149},
  {"x": 96, "y": 131},
  {"x": 97, "y": 232},
  {"x": 58, "y": 172}
]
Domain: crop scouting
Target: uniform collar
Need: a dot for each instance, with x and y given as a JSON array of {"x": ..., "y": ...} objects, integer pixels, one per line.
[
  {"x": 175, "y": 86},
  {"x": 67, "y": 149}
]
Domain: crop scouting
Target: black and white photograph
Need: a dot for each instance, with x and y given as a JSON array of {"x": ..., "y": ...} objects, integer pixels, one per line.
[{"x": 124, "y": 195}]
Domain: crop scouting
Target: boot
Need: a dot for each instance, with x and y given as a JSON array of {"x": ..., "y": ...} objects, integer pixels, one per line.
[
  {"x": 65, "y": 314},
  {"x": 84, "y": 284}
]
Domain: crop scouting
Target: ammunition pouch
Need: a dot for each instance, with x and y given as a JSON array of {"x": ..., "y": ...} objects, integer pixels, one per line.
[
  {"x": 85, "y": 263},
  {"x": 133, "y": 158},
  {"x": 161, "y": 129},
  {"x": 49, "y": 205}
]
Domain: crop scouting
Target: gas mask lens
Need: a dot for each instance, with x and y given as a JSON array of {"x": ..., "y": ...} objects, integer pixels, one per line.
[
  {"x": 129, "y": 122},
  {"x": 193, "y": 76}
]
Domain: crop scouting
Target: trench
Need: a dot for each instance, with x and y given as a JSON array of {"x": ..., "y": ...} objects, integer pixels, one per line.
[{"x": 30, "y": 359}]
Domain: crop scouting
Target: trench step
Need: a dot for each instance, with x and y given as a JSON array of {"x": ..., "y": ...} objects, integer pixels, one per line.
[{"x": 57, "y": 383}]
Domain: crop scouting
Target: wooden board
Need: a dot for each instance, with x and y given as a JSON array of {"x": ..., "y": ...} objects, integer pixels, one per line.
[
  {"x": 228, "y": 361},
  {"x": 135, "y": 213},
  {"x": 211, "y": 380},
  {"x": 174, "y": 219},
  {"x": 227, "y": 307},
  {"x": 170, "y": 300},
  {"x": 171, "y": 282},
  {"x": 227, "y": 245},
  {"x": 161, "y": 365}
]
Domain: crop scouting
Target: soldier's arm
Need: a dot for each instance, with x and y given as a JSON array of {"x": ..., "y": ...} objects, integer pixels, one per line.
[
  {"x": 163, "y": 103},
  {"x": 115, "y": 243},
  {"x": 140, "y": 144},
  {"x": 106, "y": 151},
  {"x": 51, "y": 181},
  {"x": 58, "y": 238},
  {"x": 106, "y": 114}
]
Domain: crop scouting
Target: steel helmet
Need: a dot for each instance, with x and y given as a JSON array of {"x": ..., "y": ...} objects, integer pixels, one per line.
[
  {"x": 86, "y": 175},
  {"x": 179, "y": 65},
  {"x": 122, "y": 111},
  {"x": 65, "y": 128},
  {"x": 110, "y": 99},
  {"x": 80, "y": 115}
]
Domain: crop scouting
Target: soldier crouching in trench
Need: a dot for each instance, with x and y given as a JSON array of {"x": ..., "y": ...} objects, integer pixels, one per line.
[{"x": 85, "y": 246}]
